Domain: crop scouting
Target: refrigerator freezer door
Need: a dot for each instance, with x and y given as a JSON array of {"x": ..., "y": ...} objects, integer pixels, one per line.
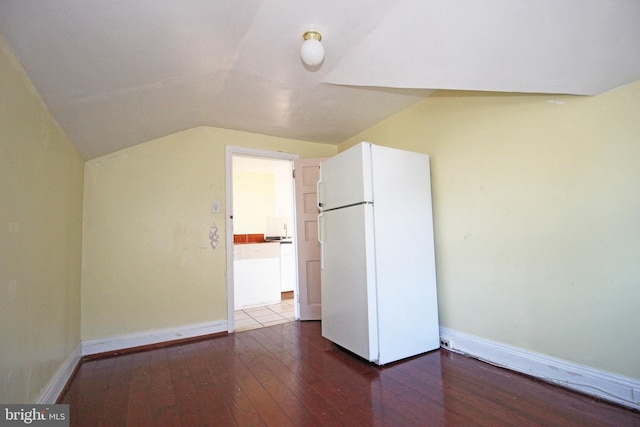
[
  {"x": 349, "y": 315},
  {"x": 345, "y": 179}
]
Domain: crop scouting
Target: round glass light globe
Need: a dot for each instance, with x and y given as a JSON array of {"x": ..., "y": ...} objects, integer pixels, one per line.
[{"x": 312, "y": 52}]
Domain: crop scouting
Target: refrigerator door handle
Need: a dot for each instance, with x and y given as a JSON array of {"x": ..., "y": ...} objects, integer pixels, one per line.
[
  {"x": 320, "y": 239},
  {"x": 319, "y": 194}
]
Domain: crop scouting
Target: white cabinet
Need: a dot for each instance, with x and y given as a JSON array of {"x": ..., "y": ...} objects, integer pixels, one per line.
[
  {"x": 256, "y": 274},
  {"x": 287, "y": 270}
]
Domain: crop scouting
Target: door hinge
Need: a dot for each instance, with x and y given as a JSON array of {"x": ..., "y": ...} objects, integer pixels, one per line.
[{"x": 294, "y": 174}]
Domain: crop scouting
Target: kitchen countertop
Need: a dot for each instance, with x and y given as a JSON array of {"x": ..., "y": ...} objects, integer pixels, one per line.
[{"x": 244, "y": 239}]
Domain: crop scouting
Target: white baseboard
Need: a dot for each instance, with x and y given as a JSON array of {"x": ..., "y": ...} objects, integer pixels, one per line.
[
  {"x": 59, "y": 380},
  {"x": 607, "y": 386},
  {"x": 121, "y": 342}
]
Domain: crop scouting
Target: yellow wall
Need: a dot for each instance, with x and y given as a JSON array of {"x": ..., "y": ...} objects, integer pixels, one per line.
[
  {"x": 253, "y": 201},
  {"x": 537, "y": 218},
  {"x": 147, "y": 262},
  {"x": 40, "y": 239}
]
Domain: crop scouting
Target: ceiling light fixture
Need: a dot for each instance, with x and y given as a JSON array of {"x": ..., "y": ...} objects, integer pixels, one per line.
[{"x": 312, "y": 51}]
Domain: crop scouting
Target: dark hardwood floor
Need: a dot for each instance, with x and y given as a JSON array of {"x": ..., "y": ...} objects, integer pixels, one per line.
[{"x": 289, "y": 375}]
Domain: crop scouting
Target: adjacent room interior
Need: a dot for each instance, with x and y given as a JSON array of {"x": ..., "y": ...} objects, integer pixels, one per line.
[{"x": 263, "y": 246}]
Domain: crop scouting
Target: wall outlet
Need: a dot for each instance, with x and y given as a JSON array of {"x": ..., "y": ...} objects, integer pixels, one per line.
[{"x": 445, "y": 343}]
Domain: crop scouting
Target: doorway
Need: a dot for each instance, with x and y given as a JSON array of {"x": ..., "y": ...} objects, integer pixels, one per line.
[{"x": 261, "y": 269}]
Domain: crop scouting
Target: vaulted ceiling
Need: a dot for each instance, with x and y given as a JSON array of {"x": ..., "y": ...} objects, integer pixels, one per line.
[{"x": 120, "y": 72}]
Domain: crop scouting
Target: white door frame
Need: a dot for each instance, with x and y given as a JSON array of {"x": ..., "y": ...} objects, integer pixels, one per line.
[{"x": 230, "y": 150}]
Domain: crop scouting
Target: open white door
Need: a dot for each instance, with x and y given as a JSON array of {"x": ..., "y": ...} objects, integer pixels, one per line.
[{"x": 306, "y": 172}]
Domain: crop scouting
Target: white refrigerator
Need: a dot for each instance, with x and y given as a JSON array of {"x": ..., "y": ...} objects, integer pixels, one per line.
[{"x": 378, "y": 275}]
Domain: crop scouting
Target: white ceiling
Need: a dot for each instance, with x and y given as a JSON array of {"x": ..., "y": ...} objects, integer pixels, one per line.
[{"x": 120, "y": 72}]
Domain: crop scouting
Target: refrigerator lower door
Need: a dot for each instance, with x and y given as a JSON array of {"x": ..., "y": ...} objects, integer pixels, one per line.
[{"x": 349, "y": 314}]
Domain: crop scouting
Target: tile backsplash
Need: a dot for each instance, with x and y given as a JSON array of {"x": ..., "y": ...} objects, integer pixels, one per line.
[{"x": 248, "y": 238}]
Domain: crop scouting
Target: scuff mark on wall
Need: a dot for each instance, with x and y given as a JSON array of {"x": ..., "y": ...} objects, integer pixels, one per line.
[{"x": 12, "y": 289}]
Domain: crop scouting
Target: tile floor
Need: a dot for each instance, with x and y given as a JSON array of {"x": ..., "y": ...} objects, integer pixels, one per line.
[{"x": 258, "y": 317}]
